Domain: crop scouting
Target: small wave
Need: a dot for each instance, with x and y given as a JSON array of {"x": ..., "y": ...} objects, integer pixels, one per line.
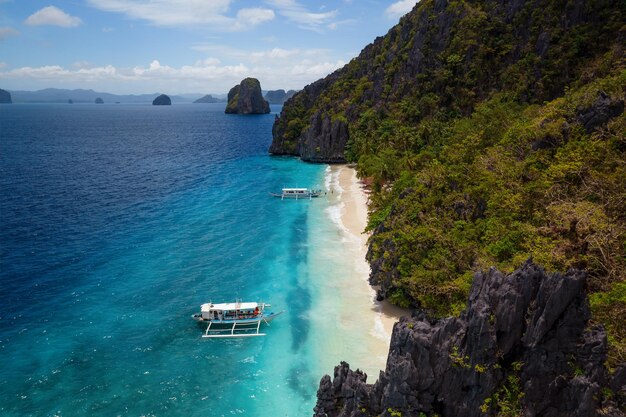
[
  {"x": 327, "y": 177},
  {"x": 379, "y": 329}
]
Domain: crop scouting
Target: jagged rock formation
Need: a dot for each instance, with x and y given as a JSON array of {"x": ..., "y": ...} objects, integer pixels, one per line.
[
  {"x": 603, "y": 110},
  {"x": 523, "y": 347},
  {"x": 99, "y": 100},
  {"x": 208, "y": 99},
  {"x": 162, "y": 100},
  {"x": 278, "y": 96},
  {"x": 324, "y": 141},
  {"x": 5, "y": 97},
  {"x": 318, "y": 138},
  {"x": 246, "y": 98}
]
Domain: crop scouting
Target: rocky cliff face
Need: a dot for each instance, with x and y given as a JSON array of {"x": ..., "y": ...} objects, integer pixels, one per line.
[
  {"x": 5, "y": 96},
  {"x": 246, "y": 98},
  {"x": 523, "y": 347}
]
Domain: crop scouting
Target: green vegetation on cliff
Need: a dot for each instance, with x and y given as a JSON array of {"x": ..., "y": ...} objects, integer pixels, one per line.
[{"x": 490, "y": 132}]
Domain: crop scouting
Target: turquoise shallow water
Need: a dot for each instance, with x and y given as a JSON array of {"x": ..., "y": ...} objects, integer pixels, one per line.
[{"x": 118, "y": 221}]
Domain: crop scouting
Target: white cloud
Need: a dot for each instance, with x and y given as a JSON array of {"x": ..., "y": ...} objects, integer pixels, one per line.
[
  {"x": 254, "y": 16},
  {"x": 273, "y": 54},
  {"x": 302, "y": 16},
  {"x": 7, "y": 32},
  {"x": 400, "y": 8},
  {"x": 210, "y": 13},
  {"x": 53, "y": 16},
  {"x": 275, "y": 68}
]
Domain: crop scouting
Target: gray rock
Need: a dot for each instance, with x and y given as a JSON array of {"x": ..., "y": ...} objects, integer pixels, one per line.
[
  {"x": 603, "y": 110},
  {"x": 523, "y": 342}
]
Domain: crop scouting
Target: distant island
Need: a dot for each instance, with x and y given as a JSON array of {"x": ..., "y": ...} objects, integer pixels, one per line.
[
  {"x": 5, "y": 97},
  {"x": 99, "y": 100},
  {"x": 162, "y": 100},
  {"x": 246, "y": 98},
  {"x": 60, "y": 95},
  {"x": 278, "y": 96},
  {"x": 209, "y": 99}
]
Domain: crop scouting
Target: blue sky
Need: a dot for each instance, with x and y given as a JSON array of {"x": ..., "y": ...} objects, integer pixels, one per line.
[{"x": 183, "y": 46}]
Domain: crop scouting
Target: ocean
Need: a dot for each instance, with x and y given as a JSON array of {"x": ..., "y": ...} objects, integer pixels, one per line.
[{"x": 118, "y": 221}]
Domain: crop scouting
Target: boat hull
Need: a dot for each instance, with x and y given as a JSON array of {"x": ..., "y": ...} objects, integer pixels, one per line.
[
  {"x": 260, "y": 318},
  {"x": 296, "y": 197}
]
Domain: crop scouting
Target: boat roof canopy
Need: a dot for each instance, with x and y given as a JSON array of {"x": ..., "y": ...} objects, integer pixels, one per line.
[
  {"x": 295, "y": 189},
  {"x": 229, "y": 306}
]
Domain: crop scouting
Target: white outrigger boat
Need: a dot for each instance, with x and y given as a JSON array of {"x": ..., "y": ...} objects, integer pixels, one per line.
[
  {"x": 234, "y": 319},
  {"x": 297, "y": 193}
]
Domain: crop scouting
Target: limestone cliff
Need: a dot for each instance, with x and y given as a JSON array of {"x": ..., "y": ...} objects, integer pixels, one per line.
[
  {"x": 523, "y": 347},
  {"x": 246, "y": 98}
]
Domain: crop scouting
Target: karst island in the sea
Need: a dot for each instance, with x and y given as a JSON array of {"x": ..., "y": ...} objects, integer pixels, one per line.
[
  {"x": 162, "y": 100},
  {"x": 247, "y": 98}
]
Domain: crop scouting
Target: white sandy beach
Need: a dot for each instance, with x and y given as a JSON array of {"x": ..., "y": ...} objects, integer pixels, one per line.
[
  {"x": 354, "y": 219},
  {"x": 361, "y": 335}
]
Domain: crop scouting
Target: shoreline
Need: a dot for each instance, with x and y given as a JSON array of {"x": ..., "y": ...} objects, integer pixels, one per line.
[{"x": 347, "y": 191}]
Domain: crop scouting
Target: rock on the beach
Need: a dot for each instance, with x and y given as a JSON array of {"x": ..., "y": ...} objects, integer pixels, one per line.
[
  {"x": 246, "y": 98},
  {"x": 162, "y": 100},
  {"x": 523, "y": 344}
]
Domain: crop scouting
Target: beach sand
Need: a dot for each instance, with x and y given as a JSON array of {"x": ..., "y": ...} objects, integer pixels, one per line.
[
  {"x": 362, "y": 333},
  {"x": 354, "y": 218}
]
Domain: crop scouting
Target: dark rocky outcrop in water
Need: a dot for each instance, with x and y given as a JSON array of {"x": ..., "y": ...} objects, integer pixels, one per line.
[
  {"x": 246, "y": 98},
  {"x": 99, "y": 100},
  {"x": 162, "y": 100},
  {"x": 523, "y": 347},
  {"x": 5, "y": 97}
]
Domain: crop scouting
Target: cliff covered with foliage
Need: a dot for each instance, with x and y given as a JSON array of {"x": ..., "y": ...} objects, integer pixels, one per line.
[
  {"x": 246, "y": 98},
  {"x": 490, "y": 131}
]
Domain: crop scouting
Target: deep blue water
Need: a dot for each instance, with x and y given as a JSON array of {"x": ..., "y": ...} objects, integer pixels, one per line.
[{"x": 116, "y": 223}]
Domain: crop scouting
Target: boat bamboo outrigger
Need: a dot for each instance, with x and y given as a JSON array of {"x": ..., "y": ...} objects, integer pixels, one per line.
[
  {"x": 297, "y": 193},
  {"x": 236, "y": 319}
]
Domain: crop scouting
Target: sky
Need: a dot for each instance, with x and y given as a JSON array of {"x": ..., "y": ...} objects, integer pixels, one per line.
[{"x": 183, "y": 46}]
